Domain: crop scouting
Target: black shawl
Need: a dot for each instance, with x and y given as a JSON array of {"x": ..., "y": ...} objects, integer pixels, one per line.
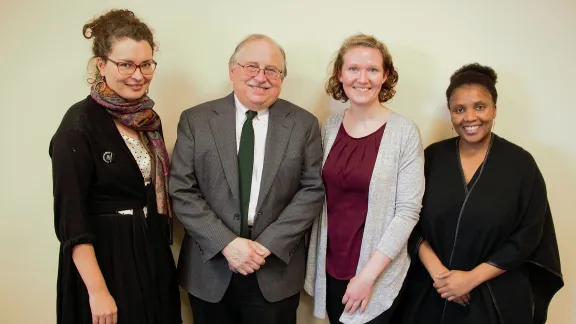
[{"x": 502, "y": 217}]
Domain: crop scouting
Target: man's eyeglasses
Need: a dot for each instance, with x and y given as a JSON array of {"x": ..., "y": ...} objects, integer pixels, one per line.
[{"x": 252, "y": 70}]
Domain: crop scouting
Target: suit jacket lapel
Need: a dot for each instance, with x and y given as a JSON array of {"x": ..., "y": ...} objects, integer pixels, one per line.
[
  {"x": 279, "y": 129},
  {"x": 224, "y": 132}
]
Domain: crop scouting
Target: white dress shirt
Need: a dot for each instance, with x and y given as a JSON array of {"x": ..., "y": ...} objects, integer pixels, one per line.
[{"x": 260, "y": 123}]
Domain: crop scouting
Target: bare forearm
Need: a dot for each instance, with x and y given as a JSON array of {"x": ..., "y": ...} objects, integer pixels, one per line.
[
  {"x": 485, "y": 272},
  {"x": 430, "y": 260},
  {"x": 375, "y": 266},
  {"x": 85, "y": 260}
]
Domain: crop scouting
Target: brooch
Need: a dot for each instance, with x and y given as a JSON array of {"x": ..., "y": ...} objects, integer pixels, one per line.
[{"x": 108, "y": 157}]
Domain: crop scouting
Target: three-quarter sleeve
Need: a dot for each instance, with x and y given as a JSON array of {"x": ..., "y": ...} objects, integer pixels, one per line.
[{"x": 72, "y": 169}]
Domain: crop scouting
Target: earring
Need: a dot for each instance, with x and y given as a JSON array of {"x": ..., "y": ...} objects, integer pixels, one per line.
[
  {"x": 494, "y": 124},
  {"x": 100, "y": 84},
  {"x": 453, "y": 135}
]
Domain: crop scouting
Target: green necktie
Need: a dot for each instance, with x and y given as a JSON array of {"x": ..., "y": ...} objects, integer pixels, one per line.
[{"x": 245, "y": 166}]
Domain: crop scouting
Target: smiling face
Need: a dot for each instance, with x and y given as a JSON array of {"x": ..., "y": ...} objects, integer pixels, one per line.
[
  {"x": 472, "y": 112},
  {"x": 362, "y": 75},
  {"x": 257, "y": 92},
  {"x": 128, "y": 86}
]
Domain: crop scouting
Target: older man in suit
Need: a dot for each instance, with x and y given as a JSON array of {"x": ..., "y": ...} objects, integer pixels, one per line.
[{"x": 246, "y": 185}]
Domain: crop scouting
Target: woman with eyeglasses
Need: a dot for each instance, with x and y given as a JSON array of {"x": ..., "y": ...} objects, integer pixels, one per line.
[{"x": 110, "y": 165}]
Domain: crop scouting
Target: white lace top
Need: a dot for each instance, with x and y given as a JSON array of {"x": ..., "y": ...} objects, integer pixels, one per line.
[{"x": 141, "y": 156}]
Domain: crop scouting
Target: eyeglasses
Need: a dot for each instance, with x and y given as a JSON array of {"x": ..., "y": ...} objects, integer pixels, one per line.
[
  {"x": 126, "y": 68},
  {"x": 253, "y": 70}
]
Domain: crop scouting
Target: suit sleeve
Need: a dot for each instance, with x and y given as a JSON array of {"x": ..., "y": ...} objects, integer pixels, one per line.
[
  {"x": 409, "y": 193},
  {"x": 189, "y": 206},
  {"x": 283, "y": 235},
  {"x": 72, "y": 168}
]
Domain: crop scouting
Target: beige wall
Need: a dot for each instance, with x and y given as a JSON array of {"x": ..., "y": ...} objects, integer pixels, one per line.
[{"x": 43, "y": 55}]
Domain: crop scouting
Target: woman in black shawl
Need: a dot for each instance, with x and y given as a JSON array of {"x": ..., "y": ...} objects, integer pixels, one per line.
[{"x": 485, "y": 249}]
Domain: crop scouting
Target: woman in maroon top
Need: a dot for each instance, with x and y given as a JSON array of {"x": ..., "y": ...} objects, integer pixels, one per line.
[
  {"x": 373, "y": 175},
  {"x": 348, "y": 168},
  {"x": 346, "y": 174}
]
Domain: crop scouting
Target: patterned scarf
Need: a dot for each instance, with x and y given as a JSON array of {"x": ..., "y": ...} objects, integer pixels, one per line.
[{"x": 139, "y": 116}]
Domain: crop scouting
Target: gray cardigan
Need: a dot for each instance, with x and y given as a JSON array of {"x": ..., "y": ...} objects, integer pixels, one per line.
[{"x": 394, "y": 203}]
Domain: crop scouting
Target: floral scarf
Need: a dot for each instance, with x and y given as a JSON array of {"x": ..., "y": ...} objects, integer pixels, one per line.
[{"x": 139, "y": 116}]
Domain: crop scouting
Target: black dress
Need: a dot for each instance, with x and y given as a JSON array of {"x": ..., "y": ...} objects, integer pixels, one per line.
[
  {"x": 94, "y": 176},
  {"x": 501, "y": 217}
]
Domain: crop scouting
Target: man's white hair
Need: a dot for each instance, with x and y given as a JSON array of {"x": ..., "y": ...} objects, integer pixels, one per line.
[{"x": 253, "y": 37}]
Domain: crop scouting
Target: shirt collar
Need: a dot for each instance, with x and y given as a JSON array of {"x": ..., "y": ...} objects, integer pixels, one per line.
[{"x": 241, "y": 111}]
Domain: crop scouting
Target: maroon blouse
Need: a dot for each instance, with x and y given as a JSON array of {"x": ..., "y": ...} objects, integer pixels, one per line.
[{"x": 347, "y": 173}]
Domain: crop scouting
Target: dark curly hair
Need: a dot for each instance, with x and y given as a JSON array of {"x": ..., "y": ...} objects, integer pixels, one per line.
[
  {"x": 114, "y": 25},
  {"x": 474, "y": 73},
  {"x": 334, "y": 87}
]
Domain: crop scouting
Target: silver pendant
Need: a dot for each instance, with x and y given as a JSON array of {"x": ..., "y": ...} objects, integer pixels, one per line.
[{"x": 108, "y": 157}]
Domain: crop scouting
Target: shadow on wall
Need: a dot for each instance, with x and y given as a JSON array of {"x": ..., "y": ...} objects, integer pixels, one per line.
[
  {"x": 553, "y": 163},
  {"x": 440, "y": 126},
  {"x": 184, "y": 300},
  {"x": 417, "y": 84},
  {"x": 172, "y": 96}
]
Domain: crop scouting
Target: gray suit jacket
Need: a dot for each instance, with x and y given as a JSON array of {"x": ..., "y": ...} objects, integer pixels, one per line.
[{"x": 205, "y": 191}]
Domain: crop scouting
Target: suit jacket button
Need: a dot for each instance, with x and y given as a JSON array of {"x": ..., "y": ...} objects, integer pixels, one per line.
[
  {"x": 236, "y": 216},
  {"x": 259, "y": 213}
]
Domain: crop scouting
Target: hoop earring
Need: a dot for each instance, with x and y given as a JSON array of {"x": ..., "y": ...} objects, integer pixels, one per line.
[
  {"x": 100, "y": 84},
  {"x": 453, "y": 135},
  {"x": 493, "y": 124}
]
